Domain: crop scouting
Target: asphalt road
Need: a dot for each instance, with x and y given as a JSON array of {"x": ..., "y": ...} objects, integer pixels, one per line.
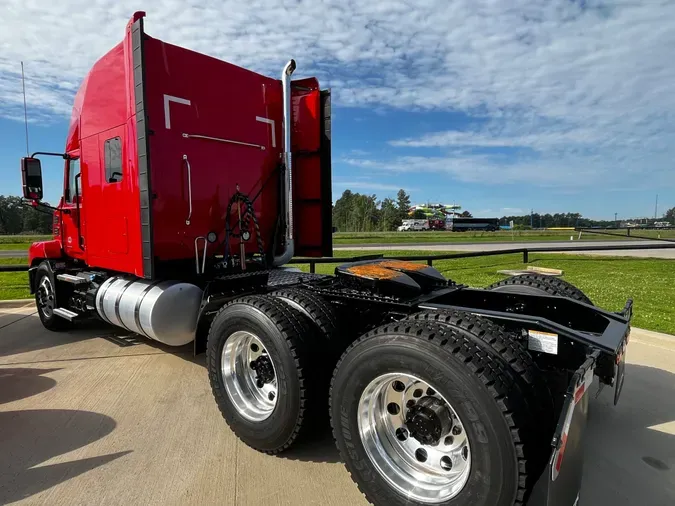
[
  {"x": 482, "y": 246},
  {"x": 94, "y": 416},
  {"x": 7, "y": 253},
  {"x": 490, "y": 246}
]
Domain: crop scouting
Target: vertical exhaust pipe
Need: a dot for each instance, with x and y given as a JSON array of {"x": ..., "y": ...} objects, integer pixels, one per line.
[{"x": 287, "y": 189}]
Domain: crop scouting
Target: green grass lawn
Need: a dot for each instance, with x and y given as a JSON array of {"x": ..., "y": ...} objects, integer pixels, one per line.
[
  {"x": 346, "y": 238},
  {"x": 20, "y": 242},
  {"x": 13, "y": 285},
  {"x": 22, "y": 239},
  {"x": 13, "y": 261},
  {"x": 14, "y": 246},
  {"x": 608, "y": 281}
]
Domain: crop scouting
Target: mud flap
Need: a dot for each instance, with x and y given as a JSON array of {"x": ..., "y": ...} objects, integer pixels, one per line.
[{"x": 561, "y": 480}]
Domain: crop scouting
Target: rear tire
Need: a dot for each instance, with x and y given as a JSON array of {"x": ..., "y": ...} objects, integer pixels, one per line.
[
  {"x": 521, "y": 368},
  {"x": 328, "y": 341},
  {"x": 242, "y": 392},
  {"x": 319, "y": 312},
  {"x": 540, "y": 284},
  {"x": 46, "y": 301},
  {"x": 476, "y": 388}
]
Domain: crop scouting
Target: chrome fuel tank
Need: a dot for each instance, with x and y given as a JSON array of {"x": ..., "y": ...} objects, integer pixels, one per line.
[{"x": 165, "y": 311}]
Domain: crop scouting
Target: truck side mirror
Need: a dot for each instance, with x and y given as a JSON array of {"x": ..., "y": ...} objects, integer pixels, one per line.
[{"x": 31, "y": 175}]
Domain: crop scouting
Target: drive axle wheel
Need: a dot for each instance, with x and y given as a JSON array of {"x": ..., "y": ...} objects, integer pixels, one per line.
[
  {"x": 414, "y": 437},
  {"x": 259, "y": 371},
  {"x": 248, "y": 375},
  {"x": 540, "y": 284},
  {"x": 519, "y": 366},
  {"x": 423, "y": 415}
]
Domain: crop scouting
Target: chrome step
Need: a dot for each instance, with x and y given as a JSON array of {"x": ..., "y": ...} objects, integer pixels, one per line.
[
  {"x": 69, "y": 278},
  {"x": 65, "y": 313}
]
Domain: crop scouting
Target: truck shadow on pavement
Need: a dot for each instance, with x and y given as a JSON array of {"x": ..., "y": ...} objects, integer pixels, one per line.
[
  {"x": 630, "y": 448},
  {"x": 318, "y": 447},
  {"x": 30, "y": 437},
  {"x": 21, "y": 382},
  {"x": 22, "y": 337}
]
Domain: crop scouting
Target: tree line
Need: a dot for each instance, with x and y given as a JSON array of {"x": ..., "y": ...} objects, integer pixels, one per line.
[
  {"x": 536, "y": 220},
  {"x": 17, "y": 217},
  {"x": 356, "y": 212},
  {"x": 352, "y": 212}
]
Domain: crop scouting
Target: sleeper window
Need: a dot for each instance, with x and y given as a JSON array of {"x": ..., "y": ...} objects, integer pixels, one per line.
[{"x": 113, "y": 160}]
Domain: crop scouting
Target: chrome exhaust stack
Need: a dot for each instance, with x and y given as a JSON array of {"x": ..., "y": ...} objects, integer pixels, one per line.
[{"x": 287, "y": 189}]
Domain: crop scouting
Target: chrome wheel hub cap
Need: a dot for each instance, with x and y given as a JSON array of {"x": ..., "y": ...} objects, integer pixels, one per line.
[
  {"x": 249, "y": 376},
  {"x": 45, "y": 297},
  {"x": 414, "y": 438}
]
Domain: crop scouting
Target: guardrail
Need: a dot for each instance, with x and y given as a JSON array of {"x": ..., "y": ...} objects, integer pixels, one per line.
[
  {"x": 13, "y": 268},
  {"x": 610, "y": 232},
  {"x": 430, "y": 259}
]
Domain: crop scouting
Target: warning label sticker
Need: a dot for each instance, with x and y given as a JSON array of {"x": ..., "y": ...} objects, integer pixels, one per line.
[{"x": 544, "y": 342}]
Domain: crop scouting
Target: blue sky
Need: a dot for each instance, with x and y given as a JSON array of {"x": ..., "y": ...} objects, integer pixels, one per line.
[{"x": 501, "y": 107}]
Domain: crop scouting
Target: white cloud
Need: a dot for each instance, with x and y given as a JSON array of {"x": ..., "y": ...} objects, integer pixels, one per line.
[
  {"x": 358, "y": 152},
  {"x": 585, "y": 88},
  {"x": 371, "y": 185},
  {"x": 512, "y": 211},
  {"x": 481, "y": 168},
  {"x": 498, "y": 138},
  {"x": 502, "y": 211}
]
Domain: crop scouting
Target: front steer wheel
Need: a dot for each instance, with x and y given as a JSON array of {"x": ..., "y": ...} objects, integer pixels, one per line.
[
  {"x": 45, "y": 299},
  {"x": 259, "y": 371},
  {"x": 423, "y": 415}
]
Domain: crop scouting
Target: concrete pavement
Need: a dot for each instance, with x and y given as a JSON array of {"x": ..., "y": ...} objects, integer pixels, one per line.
[{"x": 95, "y": 416}]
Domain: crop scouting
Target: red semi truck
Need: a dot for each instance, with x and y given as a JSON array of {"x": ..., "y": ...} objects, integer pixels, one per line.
[{"x": 189, "y": 183}]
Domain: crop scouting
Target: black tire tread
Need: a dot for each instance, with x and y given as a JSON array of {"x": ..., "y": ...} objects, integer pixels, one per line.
[
  {"x": 549, "y": 284},
  {"x": 319, "y": 311},
  {"x": 492, "y": 373},
  {"x": 290, "y": 323},
  {"x": 504, "y": 345}
]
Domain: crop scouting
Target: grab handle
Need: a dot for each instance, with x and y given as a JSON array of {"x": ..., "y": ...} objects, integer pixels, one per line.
[
  {"x": 206, "y": 243},
  {"x": 187, "y": 163}
]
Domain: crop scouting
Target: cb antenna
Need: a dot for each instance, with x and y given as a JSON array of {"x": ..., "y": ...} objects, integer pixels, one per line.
[{"x": 25, "y": 110}]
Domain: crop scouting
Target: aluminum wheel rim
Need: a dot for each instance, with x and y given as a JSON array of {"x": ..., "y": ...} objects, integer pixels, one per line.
[
  {"x": 45, "y": 297},
  {"x": 396, "y": 454},
  {"x": 254, "y": 396}
]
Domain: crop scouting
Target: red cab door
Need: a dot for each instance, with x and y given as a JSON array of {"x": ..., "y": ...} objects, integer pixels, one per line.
[{"x": 112, "y": 201}]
